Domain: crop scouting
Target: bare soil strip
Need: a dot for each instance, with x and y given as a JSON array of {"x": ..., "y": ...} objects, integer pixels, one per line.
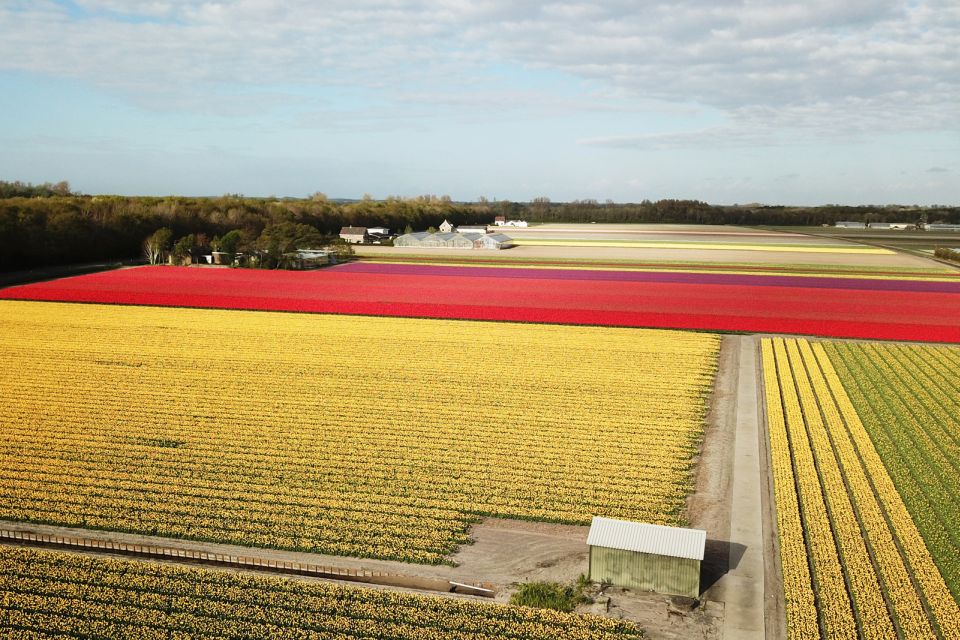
[{"x": 742, "y": 587}]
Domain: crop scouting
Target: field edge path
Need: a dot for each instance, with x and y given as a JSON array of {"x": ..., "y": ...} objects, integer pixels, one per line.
[{"x": 742, "y": 588}]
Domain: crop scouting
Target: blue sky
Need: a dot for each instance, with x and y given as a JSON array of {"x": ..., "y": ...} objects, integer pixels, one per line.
[{"x": 853, "y": 102}]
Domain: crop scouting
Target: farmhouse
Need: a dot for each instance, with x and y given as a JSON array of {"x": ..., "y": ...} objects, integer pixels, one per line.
[
  {"x": 446, "y": 226},
  {"x": 354, "y": 234},
  {"x": 846, "y": 224},
  {"x": 648, "y": 557}
]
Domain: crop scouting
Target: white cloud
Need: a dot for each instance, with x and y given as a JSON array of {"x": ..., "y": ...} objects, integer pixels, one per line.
[{"x": 821, "y": 67}]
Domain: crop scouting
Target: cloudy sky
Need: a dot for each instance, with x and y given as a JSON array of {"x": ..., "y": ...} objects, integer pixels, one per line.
[{"x": 843, "y": 101}]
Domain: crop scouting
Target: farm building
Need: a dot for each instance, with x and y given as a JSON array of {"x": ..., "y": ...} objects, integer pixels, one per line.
[
  {"x": 493, "y": 241},
  {"x": 646, "y": 557},
  {"x": 846, "y": 224},
  {"x": 379, "y": 232},
  {"x": 354, "y": 235},
  {"x": 446, "y": 226},
  {"x": 307, "y": 259},
  {"x": 411, "y": 239},
  {"x": 894, "y": 226},
  {"x": 459, "y": 241},
  {"x": 450, "y": 240},
  {"x": 472, "y": 229},
  {"x": 437, "y": 239},
  {"x": 939, "y": 226}
]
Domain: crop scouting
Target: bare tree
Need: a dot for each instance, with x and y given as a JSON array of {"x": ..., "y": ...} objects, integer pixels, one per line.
[{"x": 155, "y": 245}]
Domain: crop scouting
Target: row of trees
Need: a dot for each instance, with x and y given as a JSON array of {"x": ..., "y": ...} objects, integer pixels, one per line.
[
  {"x": 61, "y": 229},
  {"x": 271, "y": 249},
  {"x": 17, "y": 189}
]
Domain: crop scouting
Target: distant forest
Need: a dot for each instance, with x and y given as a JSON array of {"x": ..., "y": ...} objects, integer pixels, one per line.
[{"x": 47, "y": 224}]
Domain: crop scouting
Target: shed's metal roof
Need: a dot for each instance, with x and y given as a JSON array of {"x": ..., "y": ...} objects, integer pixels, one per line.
[{"x": 647, "y": 538}]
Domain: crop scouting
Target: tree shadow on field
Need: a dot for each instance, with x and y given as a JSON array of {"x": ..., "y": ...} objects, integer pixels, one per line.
[{"x": 719, "y": 557}]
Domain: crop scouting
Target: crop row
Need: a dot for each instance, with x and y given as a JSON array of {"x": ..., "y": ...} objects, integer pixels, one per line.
[
  {"x": 72, "y": 595},
  {"x": 906, "y": 396},
  {"x": 379, "y": 437},
  {"x": 865, "y": 571},
  {"x": 812, "y": 306}
]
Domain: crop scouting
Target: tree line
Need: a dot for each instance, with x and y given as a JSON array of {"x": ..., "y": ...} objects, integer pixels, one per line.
[{"x": 47, "y": 228}]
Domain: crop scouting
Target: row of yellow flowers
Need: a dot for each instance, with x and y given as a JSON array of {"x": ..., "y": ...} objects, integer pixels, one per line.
[
  {"x": 835, "y": 609},
  {"x": 382, "y": 437},
  {"x": 863, "y": 584},
  {"x": 54, "y": 593},
  {"x": 801, "y": 607},
  {"x": 872, "y": 573},
  {"x": 904, "y": 602}
]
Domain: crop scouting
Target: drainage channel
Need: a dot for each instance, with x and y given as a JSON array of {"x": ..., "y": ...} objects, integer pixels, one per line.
[{"x": 29, "y": 538}]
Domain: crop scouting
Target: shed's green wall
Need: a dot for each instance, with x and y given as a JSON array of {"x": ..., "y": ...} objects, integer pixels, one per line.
[{"x": 645, "y": 572}]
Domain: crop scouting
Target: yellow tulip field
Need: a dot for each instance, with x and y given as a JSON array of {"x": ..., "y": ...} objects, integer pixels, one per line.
[
  {"x": 46, "y": 594},
  {"x": 858, "y": 558},
  {"x": 361, "y": 436}
]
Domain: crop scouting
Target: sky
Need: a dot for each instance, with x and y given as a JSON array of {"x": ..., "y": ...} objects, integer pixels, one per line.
[{"x": 727, "y": 101}]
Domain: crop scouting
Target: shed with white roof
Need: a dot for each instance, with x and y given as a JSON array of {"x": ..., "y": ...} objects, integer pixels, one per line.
[{"x": 646, "y": 557}]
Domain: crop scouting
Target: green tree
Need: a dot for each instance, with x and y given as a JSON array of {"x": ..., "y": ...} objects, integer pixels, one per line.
[
  {"x": 285, "y": 237},
  {"x": 228, "y": 242},
  {"x": 183, "y": 248}
]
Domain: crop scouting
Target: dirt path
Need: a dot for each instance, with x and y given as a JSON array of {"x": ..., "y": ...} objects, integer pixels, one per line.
[
  {"x": 742, "y": 587},
  {"x": 504, "y": 552},
  {"x": 709, "y": 506}
]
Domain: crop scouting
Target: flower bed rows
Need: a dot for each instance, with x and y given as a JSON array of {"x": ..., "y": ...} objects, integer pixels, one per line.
[
  {"x": 855, "y": 561},
  {"x": 742, "y": 303},
  {"x": 367, "y": 437},
  {"x": 45, "y": 595}
]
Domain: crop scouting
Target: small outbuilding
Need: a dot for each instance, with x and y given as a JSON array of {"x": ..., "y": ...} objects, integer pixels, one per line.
[
  {"x": 646, "y": 557},
  {"x": 446, "y": 226}
]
